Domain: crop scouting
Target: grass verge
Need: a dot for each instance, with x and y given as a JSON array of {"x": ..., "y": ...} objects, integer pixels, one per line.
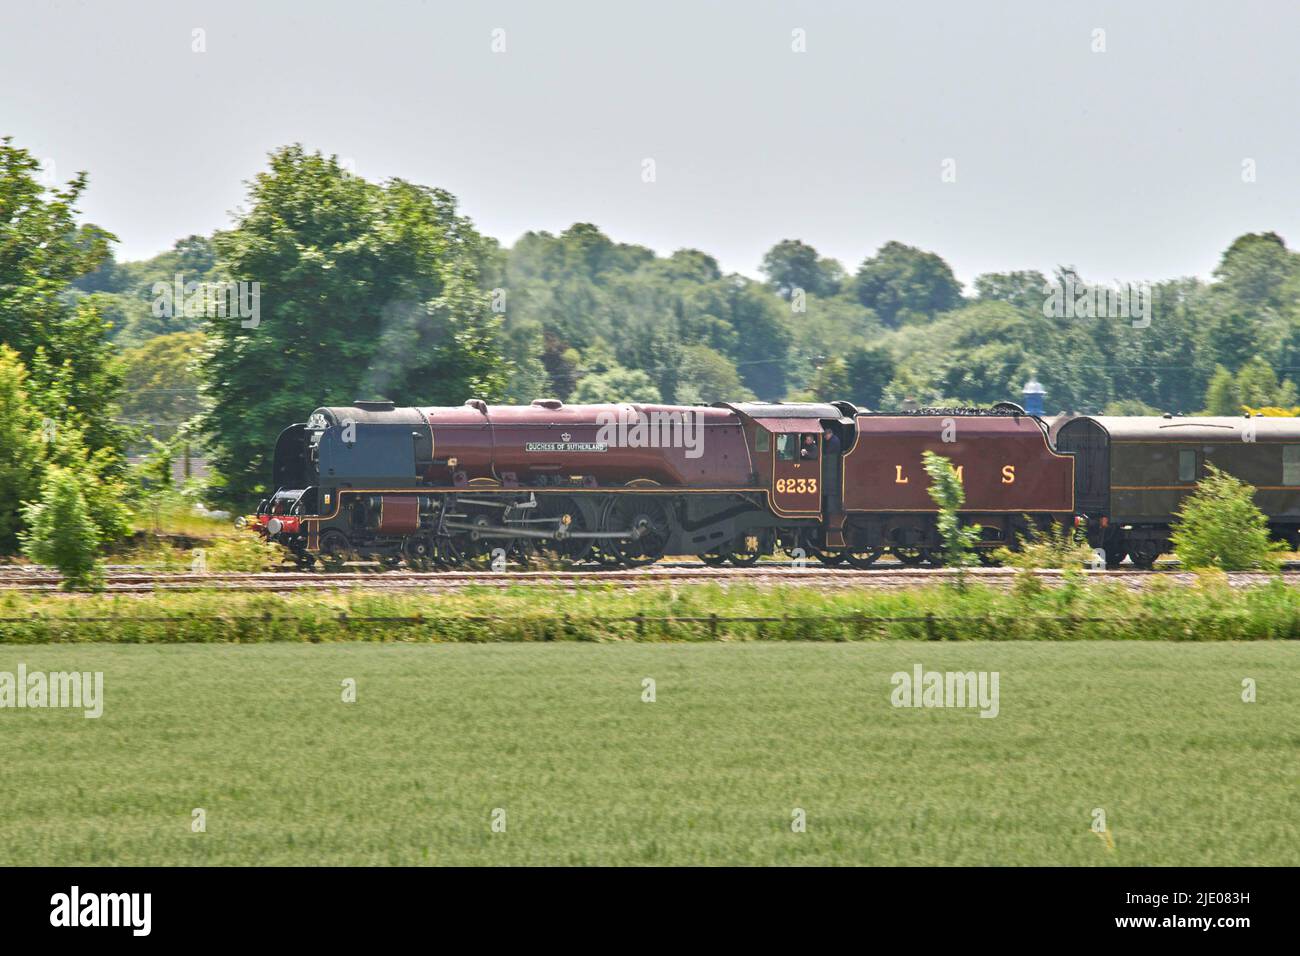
[{"x": 1208, "y": 611}]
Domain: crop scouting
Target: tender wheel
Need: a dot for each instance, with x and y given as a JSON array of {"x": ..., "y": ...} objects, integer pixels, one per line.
[
  {"x": 863, "y": 559},
  {"x": 1143, "y": 558},
  {"x": 714, "y": 559},
  {"x": 747, "y": 554},
  {"x": 826, "y": 557},
  {"x": 911, "y": 556}
]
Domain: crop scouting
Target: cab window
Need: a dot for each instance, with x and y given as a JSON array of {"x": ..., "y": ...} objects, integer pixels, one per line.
[
  {"x": 762, "y": 439},
  {"x": 787, "y": 446}
]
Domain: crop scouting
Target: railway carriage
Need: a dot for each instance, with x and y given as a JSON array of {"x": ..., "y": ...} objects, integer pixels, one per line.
[{"x": 1134, "y": 473}]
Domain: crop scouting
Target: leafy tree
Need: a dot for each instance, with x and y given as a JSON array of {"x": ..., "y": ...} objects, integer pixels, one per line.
[
  {"x": 707, "y": 376},
  {"x": 1024, "y": 290},
  {"x": 522, "y": 346},
  {"x": 617, "y": 384},
  {"x": 1130, "y": 406},
  {"x": 868, "y": 369},
  {"x": 1219, "y": 526},
  {"x": 831, "y": 382},
  {"x": 1256, "y": 270},
  {"x": 762, "y": 338},
  {"x": 900, "y": 278},
  {"x": 948, "y": 495},
  {"x": 161, "y": 383},
  {"x": 99, "y": 473},
  {"x": 366, "y": 290},
  {"x": 60, "y": 531},
  {"x": 63, "y": 343},
  {"x": 792, "y": 264},
  {"x": 23, "y": 451},
  {"x": 1257, "y": 385},
  {"x": 31, "y": 443}
]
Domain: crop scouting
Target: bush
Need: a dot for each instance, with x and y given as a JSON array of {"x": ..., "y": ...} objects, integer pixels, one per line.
[
  {"x": 1054, "y": 547},
  {"x": 246, "y": 552},
  {"x": 1218, "y": 526},
  {"x": 60, "y": 532}
]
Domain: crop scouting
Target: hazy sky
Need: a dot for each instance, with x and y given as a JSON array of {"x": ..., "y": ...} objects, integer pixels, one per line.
[{"x": 1126, "y": 163}]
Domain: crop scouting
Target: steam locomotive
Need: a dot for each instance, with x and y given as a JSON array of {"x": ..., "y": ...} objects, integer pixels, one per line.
[{"x": 621, "y": 485}]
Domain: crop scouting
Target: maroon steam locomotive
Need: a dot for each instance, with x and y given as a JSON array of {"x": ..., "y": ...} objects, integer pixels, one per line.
[{"x": 623, "y": 485}]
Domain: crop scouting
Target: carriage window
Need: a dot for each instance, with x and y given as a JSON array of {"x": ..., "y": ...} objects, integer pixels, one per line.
[
  {"x": 1187, "y": 466},
  {"x": 787, "y": 446},
  {"x": 762, "y": 439},
  {"x": 1291, "y": 464}
]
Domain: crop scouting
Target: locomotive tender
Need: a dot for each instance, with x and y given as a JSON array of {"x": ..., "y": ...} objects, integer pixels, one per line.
[{"x": 623, "y": 485}]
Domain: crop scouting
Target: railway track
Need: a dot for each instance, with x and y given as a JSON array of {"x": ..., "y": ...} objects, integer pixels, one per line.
[{"x": 119, "y": 581}]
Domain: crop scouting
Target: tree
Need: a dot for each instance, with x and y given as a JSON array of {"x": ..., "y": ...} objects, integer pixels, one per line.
[
  {"x": 706, "y": 376},
  {"x": 901, "y": 279},
  {"x": 23, "y": 447},
  {"x": 617, "y": 384},
  {"x": 62, "y": 342},
  {"x": 60, "y": 531},
  {"x": 1024, "y": 290},
  {"x": 762, "y": 337},
  {"x": 1219, "y": 526},
  {"x": 1256, "y": 269},
  {"x": 868, "y": 369},
  {"x": 1257, "y": 385},
  {"x": 792, "y": 264},
  {"x": 948, "y": 496},
  {"x": 831, "y": 382},
  {"x": 366, "y": 291},
  {"x": 31, "y": 443},
  {"x": 161, "y": 382}
]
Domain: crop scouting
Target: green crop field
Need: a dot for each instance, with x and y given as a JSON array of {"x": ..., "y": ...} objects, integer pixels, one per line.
[{"x": 738, "y": 737}]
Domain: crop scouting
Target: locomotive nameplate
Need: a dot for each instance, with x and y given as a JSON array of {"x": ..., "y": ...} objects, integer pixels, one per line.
[{"x": 549, "y": 446}]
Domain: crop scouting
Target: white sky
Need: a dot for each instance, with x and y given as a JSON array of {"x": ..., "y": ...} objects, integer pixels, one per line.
[{"x": 1127, "y": 163}]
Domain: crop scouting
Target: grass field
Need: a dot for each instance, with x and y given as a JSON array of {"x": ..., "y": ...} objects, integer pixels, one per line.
[{"x": 739, "y": 736}]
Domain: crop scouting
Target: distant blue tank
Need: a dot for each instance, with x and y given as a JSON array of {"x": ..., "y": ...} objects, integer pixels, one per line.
[{"x": 1033, "y": 394}]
